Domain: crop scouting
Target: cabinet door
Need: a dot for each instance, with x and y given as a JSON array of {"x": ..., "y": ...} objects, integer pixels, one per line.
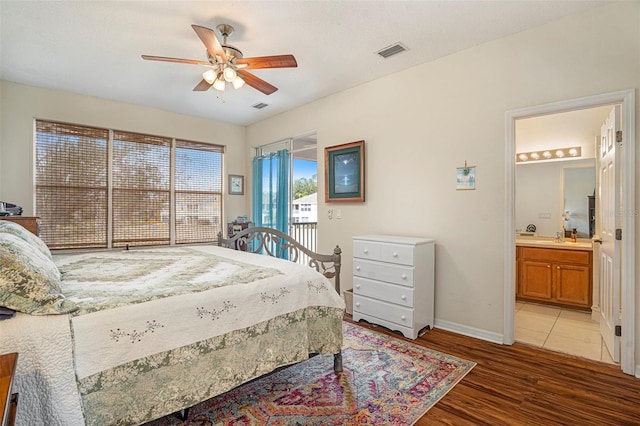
[
  {"x": 573, "y": 284},
  {"x": 535, "y": 279}
]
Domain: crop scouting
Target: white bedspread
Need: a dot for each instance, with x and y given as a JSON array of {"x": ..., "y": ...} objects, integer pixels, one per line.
[
  {"x": 133, "y": 316},
  {"x": 44, "y": 375}
]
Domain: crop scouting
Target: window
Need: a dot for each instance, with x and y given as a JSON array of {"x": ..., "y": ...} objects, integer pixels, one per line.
[
  {"x": 140, "y": 189},
  {"x": 71, "y": 185},
  {"x": 198, "y": 192},
  {"x": 85, "y": 200}
]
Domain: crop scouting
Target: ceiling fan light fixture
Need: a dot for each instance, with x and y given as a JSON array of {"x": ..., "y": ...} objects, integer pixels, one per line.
[
  {"x": 209, "y": 76},
  {"x": 229, "y": 74},
  {"x": 238, "y": 82},
  {"x": 219, "y": 84}
]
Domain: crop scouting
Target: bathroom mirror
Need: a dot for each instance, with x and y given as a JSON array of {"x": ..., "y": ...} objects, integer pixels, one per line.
[
  {"x": 578, "y": 184},
  {"x": 542, "y": 196}
]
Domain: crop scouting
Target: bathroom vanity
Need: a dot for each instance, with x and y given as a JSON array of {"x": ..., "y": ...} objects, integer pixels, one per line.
[{"x": 557, "y": 273}]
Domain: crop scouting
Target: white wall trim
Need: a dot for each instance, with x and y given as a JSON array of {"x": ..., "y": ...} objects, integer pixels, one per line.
[
  {"x": 627, "y": 99},
  {"x": 465, "y": 330}
]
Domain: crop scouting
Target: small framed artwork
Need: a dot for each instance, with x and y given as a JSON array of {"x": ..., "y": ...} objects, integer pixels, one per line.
[
  {"x": 236, "y": 185},
  {"x": 344, "y": 172},
  {"x": 466, "y": 177}
]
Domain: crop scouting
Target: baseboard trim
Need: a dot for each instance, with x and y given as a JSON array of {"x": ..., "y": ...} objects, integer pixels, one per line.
[
  {"x": 466, "y": 330},
  {"x": 637, "y": 372}
]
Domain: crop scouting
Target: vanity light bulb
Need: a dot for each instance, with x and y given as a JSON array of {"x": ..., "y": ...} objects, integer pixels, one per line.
[
  {"x": 523, "y": 157},
  {"x": 559, "y": 153},
  {"x": 573, "y": 152},
  {"x": 535, "y": 155},
  {"x": 547, "y": 154}
]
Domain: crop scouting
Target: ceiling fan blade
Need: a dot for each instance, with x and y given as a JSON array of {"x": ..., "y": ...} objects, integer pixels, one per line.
[
  {"x": 203, "y": 86},
  {"x": 279, "y": 61},
  {"x": 210, "y": 41},
  {"x": 257, "y": 83},
  {"x": 178, "y": 60}
]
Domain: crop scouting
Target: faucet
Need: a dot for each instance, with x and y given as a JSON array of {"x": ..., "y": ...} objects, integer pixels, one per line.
[{"x": 559, "y": 236}]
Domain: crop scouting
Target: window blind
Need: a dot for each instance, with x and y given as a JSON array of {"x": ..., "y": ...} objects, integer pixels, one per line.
[
  {"x": 73, "y": 172},
  {"x": 198, "y": 191},
  {"x": 71, "y": 185},
  {"x": 141, "y": 189}
]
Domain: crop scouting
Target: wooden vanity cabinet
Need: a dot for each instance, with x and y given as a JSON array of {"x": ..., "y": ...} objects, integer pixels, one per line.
[{"x": 555, "y": 276}]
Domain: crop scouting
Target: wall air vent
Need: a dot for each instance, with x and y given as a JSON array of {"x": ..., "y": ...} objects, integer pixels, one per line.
[
  {"x": 260, "y": 105},
  {"x": 394, "y": 49}
]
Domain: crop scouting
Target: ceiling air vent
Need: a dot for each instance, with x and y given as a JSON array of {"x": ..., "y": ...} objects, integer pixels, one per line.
[
  {"x": 260, "y": 105},
  {"x": 394, "y": 49}
]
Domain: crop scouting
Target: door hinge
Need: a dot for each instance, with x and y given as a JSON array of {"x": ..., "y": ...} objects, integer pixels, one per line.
[
  {"x": 619, "y": 136},
  {"x": 618, "y": 331},
  {"x": 619, "y": 234}
]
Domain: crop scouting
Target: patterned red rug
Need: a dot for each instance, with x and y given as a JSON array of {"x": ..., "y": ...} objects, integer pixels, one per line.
[{"x": 385, "y": 381}]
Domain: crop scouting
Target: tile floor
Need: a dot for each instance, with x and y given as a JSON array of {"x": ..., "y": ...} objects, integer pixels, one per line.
[{"x": 561, "y": 330}]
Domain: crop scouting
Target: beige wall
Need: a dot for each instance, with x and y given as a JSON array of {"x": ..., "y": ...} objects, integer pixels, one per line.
[
  {"x": 420, "y": 124},
  {"x": 20, "y": 104}
]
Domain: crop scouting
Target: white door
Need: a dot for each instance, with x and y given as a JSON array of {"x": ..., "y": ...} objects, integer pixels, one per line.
[{"x": 609, "y": 258}]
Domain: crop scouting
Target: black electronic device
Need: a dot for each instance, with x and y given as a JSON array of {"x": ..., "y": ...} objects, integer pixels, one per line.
[{"x": 9, "y": 209}]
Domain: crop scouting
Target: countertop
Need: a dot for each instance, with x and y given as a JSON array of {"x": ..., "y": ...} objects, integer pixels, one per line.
[{"x": 566, "y": 244}]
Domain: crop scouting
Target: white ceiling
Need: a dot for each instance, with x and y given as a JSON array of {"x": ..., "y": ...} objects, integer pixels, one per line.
[{"x": 93, "y": 47}]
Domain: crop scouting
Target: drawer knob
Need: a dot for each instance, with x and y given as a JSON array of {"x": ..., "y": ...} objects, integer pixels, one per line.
[
  {"x": 395, "y": 254},
  {"x": 548, "y": 266},
  {"x": 403, "y": 318},
  {"x": 404, "y": 276},
  {"x": 366, "y": 251},
  {"x": 357, "y": 285},
  {"x": 358, "y": 304},
  {"x": 357, "y": 268},
  {"x": 403, "y": 297}
]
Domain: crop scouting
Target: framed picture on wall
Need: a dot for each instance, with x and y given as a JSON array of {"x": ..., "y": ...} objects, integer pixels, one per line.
[
  {"x": 236, "y": 185},
  {"x": 466, "y": 178},
  {"x": 344, "y": 172}
]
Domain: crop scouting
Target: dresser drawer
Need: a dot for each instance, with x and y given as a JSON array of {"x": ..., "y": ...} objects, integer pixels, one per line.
[
  {"x": 376, "y": 308},
  {"x": 398, "y": 295},
  {"x": 366, "y": 250},
  {"x": 386, "y": 252},
  {"x": 397, "y": 274},
  {"x": 396, "y": 253}
]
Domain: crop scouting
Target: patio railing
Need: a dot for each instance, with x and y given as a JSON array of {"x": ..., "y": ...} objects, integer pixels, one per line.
[{"x": 306, "y": 234}]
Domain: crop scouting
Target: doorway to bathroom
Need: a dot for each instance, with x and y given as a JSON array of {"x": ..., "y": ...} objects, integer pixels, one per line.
[{"x": 624, "y": 256}]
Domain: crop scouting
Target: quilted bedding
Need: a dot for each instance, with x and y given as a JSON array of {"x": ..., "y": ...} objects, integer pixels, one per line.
[{"x": 158, "y": 330}]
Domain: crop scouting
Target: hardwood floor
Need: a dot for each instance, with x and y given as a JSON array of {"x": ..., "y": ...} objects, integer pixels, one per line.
[{"x": 528, "y": 385}]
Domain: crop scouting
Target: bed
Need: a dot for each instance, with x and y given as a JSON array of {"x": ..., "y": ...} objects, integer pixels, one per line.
[{"x": 127, "y": 336}]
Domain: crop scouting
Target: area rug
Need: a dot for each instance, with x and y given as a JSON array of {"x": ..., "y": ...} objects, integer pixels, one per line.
[{"x": 386, "y": 381}]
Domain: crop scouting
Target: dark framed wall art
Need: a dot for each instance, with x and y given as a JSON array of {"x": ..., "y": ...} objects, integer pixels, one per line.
[
  {"x": 344, "y": 172},
  {"x": 236, "y": 185}
]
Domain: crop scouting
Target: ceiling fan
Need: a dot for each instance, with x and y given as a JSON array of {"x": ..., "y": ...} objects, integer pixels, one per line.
[{"x": 226, "y": 63}]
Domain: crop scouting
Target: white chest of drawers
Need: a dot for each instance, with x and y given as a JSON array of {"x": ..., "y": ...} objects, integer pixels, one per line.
[{"x": 393, "y": 282}]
